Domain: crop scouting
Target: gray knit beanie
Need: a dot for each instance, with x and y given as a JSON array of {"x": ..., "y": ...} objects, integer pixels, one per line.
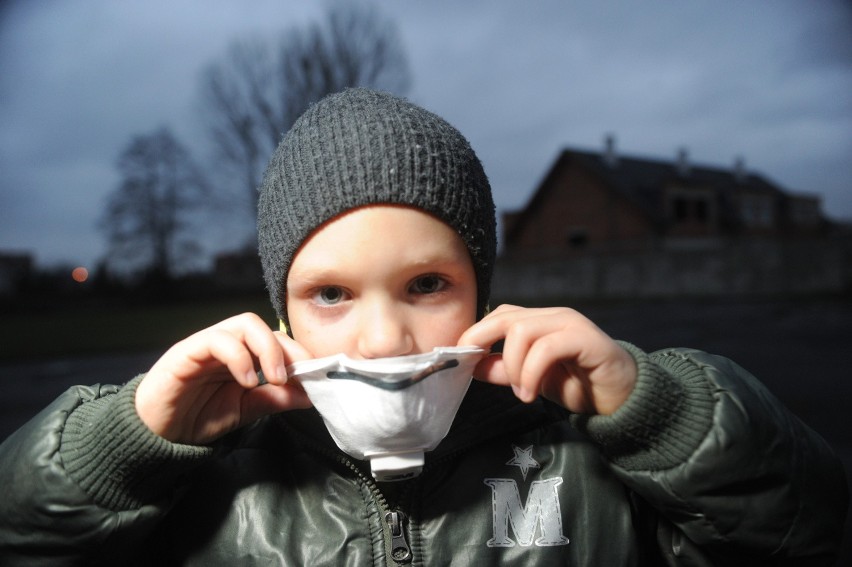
[{"x": 361, "y": 147}]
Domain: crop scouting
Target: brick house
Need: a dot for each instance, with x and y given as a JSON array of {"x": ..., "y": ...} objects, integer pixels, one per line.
[
  {"x": 601, "y": 201},
  {"x": 602, "y": 224}
]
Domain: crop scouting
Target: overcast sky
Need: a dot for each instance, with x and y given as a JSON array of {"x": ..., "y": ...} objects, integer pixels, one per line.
[{"x": 770, "y": 81}]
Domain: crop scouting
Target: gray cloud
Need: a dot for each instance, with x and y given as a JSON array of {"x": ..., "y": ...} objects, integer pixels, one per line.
[{"x": 769, "y": 81}]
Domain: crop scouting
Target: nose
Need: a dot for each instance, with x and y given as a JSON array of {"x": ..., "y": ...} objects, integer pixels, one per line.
[{"x": 384, "y": 330}]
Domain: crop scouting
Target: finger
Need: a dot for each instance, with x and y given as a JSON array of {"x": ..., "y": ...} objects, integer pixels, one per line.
[
  {"x": 264, "y": 346},
  {"x": 232, "y": 352},
  {"x": 199, "y": 354},
  {"x": 496, "y": 324},
  {"x": 518, "y": 342},
  {"x": 505, "y": 308},
  {"x": 492, "y": 370},
  {"x": 547, "y": 352},
  {"x": 525, "y": 331},
  {"x": 494, "y": 327},
  {"x": 490, "y": 329},
  {"x": 261, "y": 343},
  {"x": 542, "y": 343},
  {"x": 293, "y": 350},
  {"x": 547, "y": 370}
]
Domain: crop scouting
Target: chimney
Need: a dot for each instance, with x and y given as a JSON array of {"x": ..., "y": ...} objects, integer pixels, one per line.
[
  {"x": 683, "y": 162},
  {"x": 610, "y": 158},
  {"x": 740, "y": 173}
]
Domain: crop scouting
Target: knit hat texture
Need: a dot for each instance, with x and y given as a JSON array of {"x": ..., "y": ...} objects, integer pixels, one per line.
[{"x": 361, "y": 147}]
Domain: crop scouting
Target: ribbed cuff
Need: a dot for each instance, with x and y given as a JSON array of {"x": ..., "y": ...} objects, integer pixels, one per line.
[
  {"x": 114, "y": 457},
  {"x": 663, "y": 421}
]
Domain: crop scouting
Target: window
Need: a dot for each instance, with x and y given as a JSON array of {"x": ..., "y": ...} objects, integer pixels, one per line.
[
  {"x": 804, "y": 212},
  {"x": 578, "y": 238},
  {"x": 700, "y": 210},
  {"x": 681, "y": 208},
  {"x": 690, "y": 206}
]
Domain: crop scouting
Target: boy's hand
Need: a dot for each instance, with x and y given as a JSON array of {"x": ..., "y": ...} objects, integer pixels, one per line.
[
  {"x": 555, "y": 352},
  {"x": 207, "y": 385}
]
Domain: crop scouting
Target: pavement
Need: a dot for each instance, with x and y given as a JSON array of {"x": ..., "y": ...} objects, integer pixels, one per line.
[{"x": 799, "y": 348}]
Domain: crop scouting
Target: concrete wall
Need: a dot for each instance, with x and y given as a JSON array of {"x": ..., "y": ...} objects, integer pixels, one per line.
[{"x": 745, "y": 268}]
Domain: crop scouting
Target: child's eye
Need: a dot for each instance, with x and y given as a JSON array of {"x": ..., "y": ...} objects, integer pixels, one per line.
[
  {"x": 428, "y": 284},
  {"x": 329, "y": 295}
]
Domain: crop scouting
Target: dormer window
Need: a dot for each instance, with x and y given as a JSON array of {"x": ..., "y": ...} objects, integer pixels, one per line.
[
  {"x": 690, "y": 206},
  {"x": 691, "y": 211}
]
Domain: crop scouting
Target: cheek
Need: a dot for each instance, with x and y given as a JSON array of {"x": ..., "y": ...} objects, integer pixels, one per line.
[
  {"x": 324, "y": 342},
  {"x": 319, "y": 337},
  {"x": 444, "y": 329}
]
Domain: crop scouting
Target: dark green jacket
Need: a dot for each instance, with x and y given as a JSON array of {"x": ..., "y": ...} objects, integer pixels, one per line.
[{"x": 701, "y": 466}]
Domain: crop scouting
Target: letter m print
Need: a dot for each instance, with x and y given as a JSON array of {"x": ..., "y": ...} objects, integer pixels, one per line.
[{"x": 541, "y": 509}]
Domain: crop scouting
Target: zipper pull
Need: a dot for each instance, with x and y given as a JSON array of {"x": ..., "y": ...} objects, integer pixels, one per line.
[{"x": 399, "y": 546}]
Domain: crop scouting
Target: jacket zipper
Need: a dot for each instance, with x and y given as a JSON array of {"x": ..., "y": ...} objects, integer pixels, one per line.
[
  {"x": 395, "y": 520},
  {"x": 400, "y": 551}
]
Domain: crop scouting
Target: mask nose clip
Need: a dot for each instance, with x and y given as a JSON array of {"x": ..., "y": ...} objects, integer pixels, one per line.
[{"x": 378, "y": 380}]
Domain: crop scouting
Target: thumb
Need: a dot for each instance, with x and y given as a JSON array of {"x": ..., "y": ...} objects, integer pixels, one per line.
[
  {"x": 293, "y": 351},
  {"x": 492, "y": 370}
]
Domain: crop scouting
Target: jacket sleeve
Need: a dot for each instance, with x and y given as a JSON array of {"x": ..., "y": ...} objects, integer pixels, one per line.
[
  {"x": 85, "y": 482},
  {"x": 732, "y": 472}
]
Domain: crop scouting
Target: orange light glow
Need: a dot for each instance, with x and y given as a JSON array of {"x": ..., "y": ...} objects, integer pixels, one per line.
[{"x": 80, "y": 274}]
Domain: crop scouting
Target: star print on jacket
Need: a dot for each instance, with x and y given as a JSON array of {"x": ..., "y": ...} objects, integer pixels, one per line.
[{"x": 523, "y": 459}]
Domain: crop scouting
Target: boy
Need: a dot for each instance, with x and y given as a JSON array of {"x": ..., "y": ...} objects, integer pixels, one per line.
[{"x": 377, "y": 235}]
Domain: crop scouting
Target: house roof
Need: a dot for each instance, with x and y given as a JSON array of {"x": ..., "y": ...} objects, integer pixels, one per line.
[{"x": 641, "y": 181}]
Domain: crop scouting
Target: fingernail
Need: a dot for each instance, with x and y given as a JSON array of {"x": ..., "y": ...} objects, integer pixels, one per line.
[
  {"x": 281, "y": 373},
  {"x": 251, "y": 379}
]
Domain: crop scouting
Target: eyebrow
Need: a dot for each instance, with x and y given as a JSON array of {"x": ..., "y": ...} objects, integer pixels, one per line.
[{"x": 314, "y": 276}]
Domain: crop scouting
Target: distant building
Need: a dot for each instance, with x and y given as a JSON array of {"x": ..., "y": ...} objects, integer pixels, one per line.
[
  {"x": 594, "y": 201},
  {"x": 603, "y": 224}
]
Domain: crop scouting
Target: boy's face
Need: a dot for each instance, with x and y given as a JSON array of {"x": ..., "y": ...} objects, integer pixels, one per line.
[{"x": 381, "y": 281}]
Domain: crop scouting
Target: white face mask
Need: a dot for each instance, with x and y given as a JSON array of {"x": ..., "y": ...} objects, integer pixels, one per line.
[{"x": 389, "y": 410}]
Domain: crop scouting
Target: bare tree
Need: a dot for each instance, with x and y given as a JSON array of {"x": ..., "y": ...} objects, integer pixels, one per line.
[
  {"x": 147, "y": 216},
  {"x": 254, "y": 95}
]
